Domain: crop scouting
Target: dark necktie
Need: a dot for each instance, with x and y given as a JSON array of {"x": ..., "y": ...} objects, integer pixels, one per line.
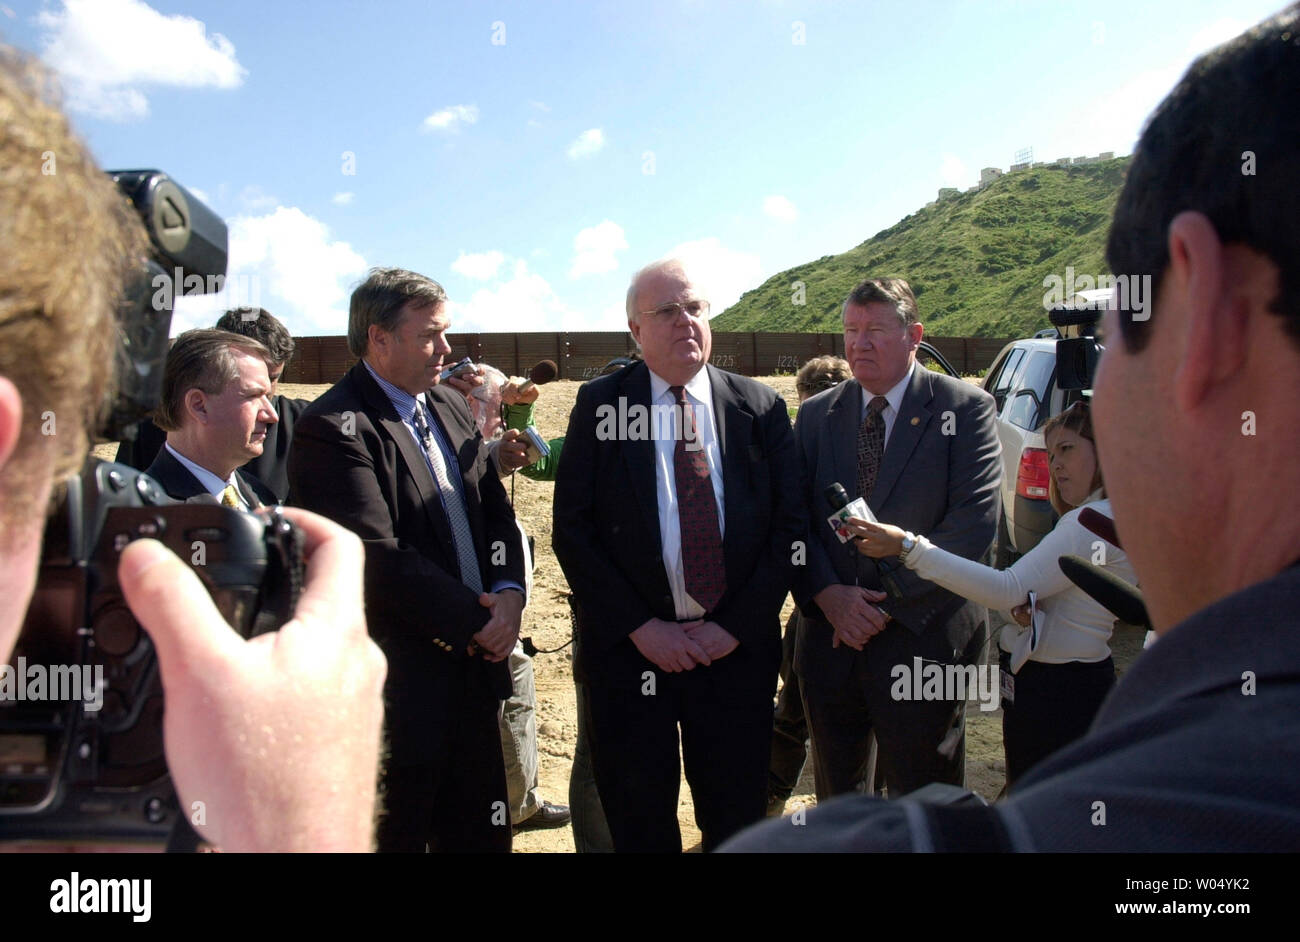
[
  {"x": 697, "y": 513},
  {"x": 871, "y": 445},
  {"x": 451, "y": 499}
]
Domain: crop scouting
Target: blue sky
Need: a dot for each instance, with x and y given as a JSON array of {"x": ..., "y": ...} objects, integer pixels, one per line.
[{"x": 530, "y": 156}]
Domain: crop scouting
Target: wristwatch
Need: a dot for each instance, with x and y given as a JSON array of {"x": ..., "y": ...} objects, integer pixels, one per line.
[{"x": 909, "y": 544}]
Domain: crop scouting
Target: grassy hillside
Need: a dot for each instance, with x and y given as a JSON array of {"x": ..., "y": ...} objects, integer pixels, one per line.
[{"x": 976, "y": 261}]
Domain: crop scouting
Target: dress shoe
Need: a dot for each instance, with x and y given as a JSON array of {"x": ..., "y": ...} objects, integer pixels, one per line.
[{"x": 549, "y": 815}]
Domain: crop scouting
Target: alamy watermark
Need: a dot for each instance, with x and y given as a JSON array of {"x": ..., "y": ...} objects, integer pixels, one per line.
[
  {"x": 1129, "y": 292},
  {"x": 635, "y": 422},
  {"x": 933, "y": 681},
  {"x": 54, "y": 682}
]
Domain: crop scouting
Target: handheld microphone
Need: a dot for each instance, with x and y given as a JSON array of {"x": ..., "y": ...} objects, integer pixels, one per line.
[
  {"x": 1108, "y": 590},
  {"x": 1101, "y": 525},
  {"x": 838, "y": 498},
  {"x": 541, "y": 374}
]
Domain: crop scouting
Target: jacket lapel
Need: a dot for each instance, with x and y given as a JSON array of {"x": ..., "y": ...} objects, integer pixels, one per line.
[
  {"x": 639, "y": 451},
  {"x": 411, "y": 453},
  {"x": 735, "y": 435},
  {"x": 842, "y": 420},
  {"x": 910, "y": 424}
]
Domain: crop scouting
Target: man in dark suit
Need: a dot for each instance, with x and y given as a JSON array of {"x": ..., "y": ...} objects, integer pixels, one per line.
[
  {"x": 215, "y": 409},
  {"x": 922, "y": 449},
  {"x": 396, "y": 458},
  {"x": 676, "y": 515},
  {"x": 271, "y": 466}
]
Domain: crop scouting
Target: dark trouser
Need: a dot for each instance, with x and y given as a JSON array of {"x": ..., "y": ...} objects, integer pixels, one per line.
[
  {"x": 1054, "y": 705},
  {"x": 790, "y": 728},
  {"x": 451, "y": 795},
  {"x": 725, "y": 714},
  {"x": 918, "y": 741},
  {"x": 590, "y": 830}
]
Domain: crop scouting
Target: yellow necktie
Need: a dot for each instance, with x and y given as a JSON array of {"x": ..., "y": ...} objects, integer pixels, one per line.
[{"x": 230, "y": 497}]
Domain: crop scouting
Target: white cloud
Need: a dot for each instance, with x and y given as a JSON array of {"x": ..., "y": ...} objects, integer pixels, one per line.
[
  {"x": 724, "y": 274},
  {"x": 587, "y": 144},
  {"x": 286, "y": 262},
  {"x": 778, "y": 207},
  {"x": 525, "y": 301},
  {"x": 107, "y": 51},
  {"x": 479, "y": 266},
  {"x": 342, "y": 199},
  {"x": 952, "y": 172},
  {"x": 540, "y": 105},
  {"x": 451, "y": 118},
  {"x": 596, "y": 249}
]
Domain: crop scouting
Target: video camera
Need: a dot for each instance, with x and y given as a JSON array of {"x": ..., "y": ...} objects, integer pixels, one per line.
[
  {"x": 1077, "y": 349},
  {"x": 81, "y": 708}
]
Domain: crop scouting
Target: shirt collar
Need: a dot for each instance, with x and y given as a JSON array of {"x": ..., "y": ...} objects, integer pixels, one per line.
[
  {"x": 699, "y": 388},
  {"x": 895, "y": 395},
  {"x": 211, "y": 483},
  {"x": 402, "y": 400}
]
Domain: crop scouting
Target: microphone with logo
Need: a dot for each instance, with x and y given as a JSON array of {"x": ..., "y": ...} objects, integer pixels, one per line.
[{"x": 838, "y": 498}]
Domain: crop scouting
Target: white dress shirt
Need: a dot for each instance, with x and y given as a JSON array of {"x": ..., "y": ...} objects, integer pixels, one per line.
[
  {"x": 211, "y": 483},
  {"x": 895, "y": 399},
  {"x": 663, "y": 427}
]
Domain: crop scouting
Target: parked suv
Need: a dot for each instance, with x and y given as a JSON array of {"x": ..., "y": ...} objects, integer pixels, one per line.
[{"x": 1022, "y": 382}]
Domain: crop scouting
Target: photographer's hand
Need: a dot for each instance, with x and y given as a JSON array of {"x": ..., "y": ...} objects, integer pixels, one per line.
[{"x": 277, "y": 736}]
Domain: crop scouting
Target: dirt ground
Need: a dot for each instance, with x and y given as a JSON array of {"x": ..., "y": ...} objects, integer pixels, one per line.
[{"x": 546, "y": 621}]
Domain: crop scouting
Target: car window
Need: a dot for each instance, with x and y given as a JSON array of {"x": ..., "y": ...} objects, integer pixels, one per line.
[
  {"x": 1007, "y": 368},
  {"x": 1034, "y": 372}
]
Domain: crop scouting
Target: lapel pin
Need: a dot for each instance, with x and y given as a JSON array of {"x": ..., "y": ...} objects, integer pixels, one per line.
[{"x": 916, "y": 420}]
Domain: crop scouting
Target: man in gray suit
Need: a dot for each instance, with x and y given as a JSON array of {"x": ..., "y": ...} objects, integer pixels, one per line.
[{"x": 922, "y": 449}]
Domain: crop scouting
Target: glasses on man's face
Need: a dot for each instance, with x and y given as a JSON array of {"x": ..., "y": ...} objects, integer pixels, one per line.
[{"x": 670, "y": 312}]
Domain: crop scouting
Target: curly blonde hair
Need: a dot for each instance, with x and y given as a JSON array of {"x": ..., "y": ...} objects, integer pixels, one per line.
[{"x": 67, "y": 243}]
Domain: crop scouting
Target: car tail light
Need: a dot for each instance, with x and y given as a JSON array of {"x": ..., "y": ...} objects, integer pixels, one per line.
[{"x": 1032, "y": 478}]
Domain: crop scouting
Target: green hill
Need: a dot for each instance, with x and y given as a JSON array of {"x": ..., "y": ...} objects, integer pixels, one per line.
[{"x": 976, "y": 261}]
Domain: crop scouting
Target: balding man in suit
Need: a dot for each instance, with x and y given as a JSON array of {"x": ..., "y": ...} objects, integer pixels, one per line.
[{"x": 677, "y": 537}]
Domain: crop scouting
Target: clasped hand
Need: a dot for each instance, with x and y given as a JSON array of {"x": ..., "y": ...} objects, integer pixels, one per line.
[
  {"x": 674, "y": 647},
  {"x": 497, "y": 638}
]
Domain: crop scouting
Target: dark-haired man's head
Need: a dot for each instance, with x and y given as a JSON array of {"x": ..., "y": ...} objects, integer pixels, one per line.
[
  {"x": 267, "y": 330},
  {"x": 215, "y": 405},
  {"x": 1195, "y": 405},
  {"x": 397, "y": 321}
]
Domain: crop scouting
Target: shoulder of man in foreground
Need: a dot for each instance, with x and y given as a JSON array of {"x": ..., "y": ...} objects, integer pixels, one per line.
[
  {"x": 1203, "y": 730},
  {"x": 754, "y": 392}
]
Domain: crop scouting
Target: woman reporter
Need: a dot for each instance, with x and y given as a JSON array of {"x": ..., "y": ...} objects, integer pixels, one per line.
[{"x": 1055, "y": 677}]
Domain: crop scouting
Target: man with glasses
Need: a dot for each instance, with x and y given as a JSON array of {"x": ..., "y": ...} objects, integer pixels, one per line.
[{"x": 677, "y": 520}]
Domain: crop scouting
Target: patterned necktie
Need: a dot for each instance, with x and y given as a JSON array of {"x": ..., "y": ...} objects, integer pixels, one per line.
[
  {"x": 230, "y": 498},
  {"x": 871, "y": 445},
  {"x": 451, "y": 499},
  {"x": 697, "y": 513}
]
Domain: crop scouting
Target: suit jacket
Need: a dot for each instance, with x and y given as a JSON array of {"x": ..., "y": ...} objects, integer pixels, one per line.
[
  {"x": 606, "y": 528},
  {"x": 938, "y": 476},
  {"x": 270, "y": 467},
  {"x": 181, "y": 484},
  {"x": 354, "y": 461}
]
